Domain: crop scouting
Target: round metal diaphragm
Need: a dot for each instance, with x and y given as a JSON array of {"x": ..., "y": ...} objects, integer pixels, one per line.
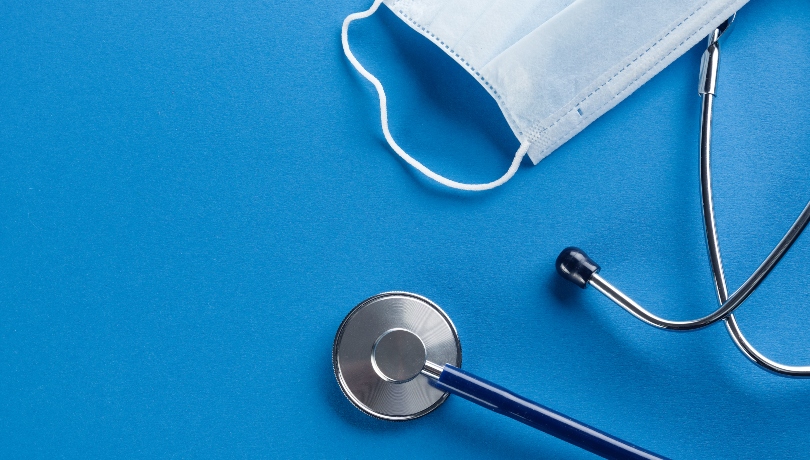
[{"x": 380, "y": 349}]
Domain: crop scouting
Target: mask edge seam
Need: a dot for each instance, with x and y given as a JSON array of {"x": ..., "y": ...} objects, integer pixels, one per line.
[{"x": 534, "y": 133}]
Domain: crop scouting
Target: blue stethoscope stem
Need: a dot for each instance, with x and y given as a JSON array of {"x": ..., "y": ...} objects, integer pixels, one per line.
[{"x": 503, "y": 401}]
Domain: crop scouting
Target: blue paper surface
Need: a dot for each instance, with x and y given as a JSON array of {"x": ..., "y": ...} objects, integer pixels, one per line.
[{"x": 194, "y": 195}]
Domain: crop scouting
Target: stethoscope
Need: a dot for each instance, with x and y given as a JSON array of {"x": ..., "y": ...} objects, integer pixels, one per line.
[
  {"x": 574, "y": 265},
  {"x": 397, "y": 355}
]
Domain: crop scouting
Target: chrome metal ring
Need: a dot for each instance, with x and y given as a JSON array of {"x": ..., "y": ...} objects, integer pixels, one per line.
[{"x": 378, "y": 392}]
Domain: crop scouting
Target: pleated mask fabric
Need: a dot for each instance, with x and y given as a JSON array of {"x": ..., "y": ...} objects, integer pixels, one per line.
[{"x": 553, "y": 66}]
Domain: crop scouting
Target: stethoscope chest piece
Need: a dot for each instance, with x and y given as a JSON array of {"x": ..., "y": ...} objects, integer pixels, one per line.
[
  {"x": 397, "y": 357},
  {"x": 381, "y": 348}
]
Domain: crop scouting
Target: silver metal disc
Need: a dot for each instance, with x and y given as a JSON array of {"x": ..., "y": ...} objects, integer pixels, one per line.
[{"x": 380, "y": 349}]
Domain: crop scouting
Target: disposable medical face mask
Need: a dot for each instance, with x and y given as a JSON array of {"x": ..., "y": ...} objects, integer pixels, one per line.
[{"x": 553, "y": 66}]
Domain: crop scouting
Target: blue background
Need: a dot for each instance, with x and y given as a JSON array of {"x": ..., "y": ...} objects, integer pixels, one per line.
[{"x": 194, "y": 195}]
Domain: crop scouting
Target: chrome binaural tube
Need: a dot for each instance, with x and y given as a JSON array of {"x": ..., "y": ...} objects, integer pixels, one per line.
[
  {"x": 707, "y": 89},
  {"x": 574, "y": 265}
]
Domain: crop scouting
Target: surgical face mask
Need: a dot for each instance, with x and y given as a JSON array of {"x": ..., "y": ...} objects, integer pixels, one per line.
[{"x": 553, "y": 66}]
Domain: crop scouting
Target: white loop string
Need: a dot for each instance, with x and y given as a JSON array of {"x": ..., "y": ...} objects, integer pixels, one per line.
[{"x": 521, "y": 152}]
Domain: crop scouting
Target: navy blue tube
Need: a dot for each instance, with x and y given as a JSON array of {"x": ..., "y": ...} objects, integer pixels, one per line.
[{"x": 503, "y": 401}]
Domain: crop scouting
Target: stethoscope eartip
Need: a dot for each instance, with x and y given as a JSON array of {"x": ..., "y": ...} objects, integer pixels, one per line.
[{"x": 575, "y": 266}]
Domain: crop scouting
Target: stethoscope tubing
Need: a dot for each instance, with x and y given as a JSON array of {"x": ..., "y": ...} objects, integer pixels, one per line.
[
  {"x": 577, "y": 267},
  {"x": 713, "y": 246},
  {"x": 510, "y": 404},
  {"x": 729, "y": 304}
]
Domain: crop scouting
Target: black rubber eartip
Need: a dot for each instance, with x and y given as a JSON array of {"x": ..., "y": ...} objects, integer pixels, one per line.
[{"x": 575, "y": 266}]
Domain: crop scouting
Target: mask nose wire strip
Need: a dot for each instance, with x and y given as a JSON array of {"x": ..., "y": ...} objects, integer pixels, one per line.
[{"x": 521, "y": 152}]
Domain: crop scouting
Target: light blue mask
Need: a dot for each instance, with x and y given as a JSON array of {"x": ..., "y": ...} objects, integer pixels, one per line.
[{"x": 553, "y": 66}]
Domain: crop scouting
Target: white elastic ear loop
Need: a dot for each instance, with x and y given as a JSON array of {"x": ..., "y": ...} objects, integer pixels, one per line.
[{"x": 384, "y": 118}]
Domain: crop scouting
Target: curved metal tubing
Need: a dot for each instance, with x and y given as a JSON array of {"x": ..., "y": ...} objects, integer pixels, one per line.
[
  {"x": 758, "y": 358},
  {"x": 575, "y": 266},
  {"x": 713, "y": 244},
  {"x": 588, "y": 273},
  {"x": 730, "y": 304}
]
